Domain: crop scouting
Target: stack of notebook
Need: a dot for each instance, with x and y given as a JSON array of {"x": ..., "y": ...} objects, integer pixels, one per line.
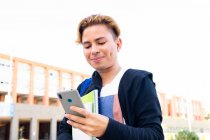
[{"x": 90, "y": 102}]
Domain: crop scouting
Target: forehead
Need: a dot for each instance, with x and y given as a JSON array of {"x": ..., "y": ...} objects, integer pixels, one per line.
[{"x": 96, "y": 31}]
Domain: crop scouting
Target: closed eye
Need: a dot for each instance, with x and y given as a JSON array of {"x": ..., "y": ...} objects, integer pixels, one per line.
[
  {"x": 86, "y": 45},
  {"x": 101, "y": 43}
]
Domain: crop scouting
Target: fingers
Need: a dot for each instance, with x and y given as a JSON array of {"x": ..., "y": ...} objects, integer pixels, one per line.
[
  {"x": 79, "y": 110},
  {"x": 91, "y": 124},
  {"x": 78, "y": 119},
  {"x": 74, "y": 118},
  {"x": 86, "y": 129},
  {"x": 75, "y": 124}
]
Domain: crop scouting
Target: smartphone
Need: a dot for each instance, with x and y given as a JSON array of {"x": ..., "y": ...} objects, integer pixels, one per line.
[{"x": 70, "y": 98}]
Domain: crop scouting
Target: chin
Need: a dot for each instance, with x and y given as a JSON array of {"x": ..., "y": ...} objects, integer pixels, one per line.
[
  {"x": 98, "y": 67},
  {"x": 101, "y": 68}
]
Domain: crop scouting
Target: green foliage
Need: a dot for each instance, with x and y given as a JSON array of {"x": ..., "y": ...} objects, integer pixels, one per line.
[{"x": 186, "y": 135}]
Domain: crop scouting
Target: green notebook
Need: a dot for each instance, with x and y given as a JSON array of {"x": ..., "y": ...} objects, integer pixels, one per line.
[{"x": 91, "y": 98}]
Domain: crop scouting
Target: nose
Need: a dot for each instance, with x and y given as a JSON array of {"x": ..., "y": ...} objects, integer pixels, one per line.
[{"x": 95, "y": 49}]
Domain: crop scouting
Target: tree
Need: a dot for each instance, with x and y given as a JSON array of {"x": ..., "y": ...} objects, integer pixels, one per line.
[{"x": 186, "y": 135}]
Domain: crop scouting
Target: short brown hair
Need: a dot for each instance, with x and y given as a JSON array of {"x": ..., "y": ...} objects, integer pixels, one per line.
[{"x": 95, "y": 20}]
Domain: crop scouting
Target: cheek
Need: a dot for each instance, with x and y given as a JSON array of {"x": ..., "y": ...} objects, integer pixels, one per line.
[
  {"x": 108, "y": 49},
  {"x": 112, "y": 51},
  {"x": 86, "y": 54}
]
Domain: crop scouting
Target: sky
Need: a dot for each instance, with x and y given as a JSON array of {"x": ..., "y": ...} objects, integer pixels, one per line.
[{"x": 169, "y": 38}]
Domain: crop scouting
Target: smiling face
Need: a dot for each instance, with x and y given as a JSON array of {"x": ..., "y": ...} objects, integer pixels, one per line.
[{"x": 100, "y": 47}]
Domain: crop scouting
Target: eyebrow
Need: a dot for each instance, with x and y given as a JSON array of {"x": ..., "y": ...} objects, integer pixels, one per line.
[
  {"x": 87, "y": 42},
  {"x": 99, "y": 38}
]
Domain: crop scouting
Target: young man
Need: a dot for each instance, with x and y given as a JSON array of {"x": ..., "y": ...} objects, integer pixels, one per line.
[{"x": 128, "y": 105}]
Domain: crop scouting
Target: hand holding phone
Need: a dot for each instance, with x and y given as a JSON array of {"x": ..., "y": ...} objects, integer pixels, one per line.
[{"x": 70, "y": 98}]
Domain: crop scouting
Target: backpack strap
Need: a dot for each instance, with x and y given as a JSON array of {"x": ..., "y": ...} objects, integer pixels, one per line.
[{"x": 85, "y": 85}]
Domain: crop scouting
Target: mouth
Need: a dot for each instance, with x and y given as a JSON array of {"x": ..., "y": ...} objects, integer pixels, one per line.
[{"x": 97, "y": 59}]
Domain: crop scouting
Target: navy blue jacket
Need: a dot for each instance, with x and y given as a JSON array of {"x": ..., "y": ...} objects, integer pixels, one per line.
[{"x": 140, "y": 108}]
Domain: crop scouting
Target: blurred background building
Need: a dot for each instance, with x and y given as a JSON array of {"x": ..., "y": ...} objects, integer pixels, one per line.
[{"x": 29, "y": 108}]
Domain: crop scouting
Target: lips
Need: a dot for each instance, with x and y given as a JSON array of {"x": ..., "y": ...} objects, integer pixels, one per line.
[{"x": 97, "y": 59}]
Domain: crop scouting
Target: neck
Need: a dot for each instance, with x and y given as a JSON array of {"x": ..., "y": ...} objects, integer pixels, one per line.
[{"x": 109, "y": 74}]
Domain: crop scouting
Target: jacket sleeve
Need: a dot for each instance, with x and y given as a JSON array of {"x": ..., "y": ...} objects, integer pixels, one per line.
[
  {"x": 143, "y": 115},
  {"x": 65, "y": 131}
]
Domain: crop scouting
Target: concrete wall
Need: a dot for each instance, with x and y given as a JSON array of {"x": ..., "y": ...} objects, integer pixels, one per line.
[
  {"x": 176, "y": 124},
  {"x": 34, "y": 114}
]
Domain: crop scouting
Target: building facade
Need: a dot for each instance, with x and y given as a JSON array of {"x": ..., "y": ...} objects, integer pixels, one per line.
[{"x": 29, "y": 108}]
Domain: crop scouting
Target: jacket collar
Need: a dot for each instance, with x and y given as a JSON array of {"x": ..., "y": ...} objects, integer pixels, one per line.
[{"x": 97, "y": 81}]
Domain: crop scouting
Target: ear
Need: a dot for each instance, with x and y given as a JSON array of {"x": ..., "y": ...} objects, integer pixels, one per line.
[{"x": 119, "y": 43}]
